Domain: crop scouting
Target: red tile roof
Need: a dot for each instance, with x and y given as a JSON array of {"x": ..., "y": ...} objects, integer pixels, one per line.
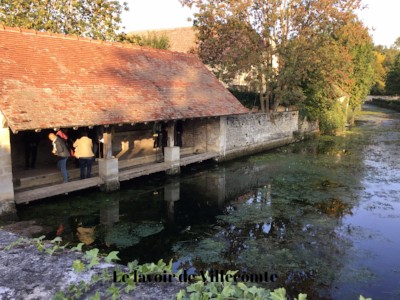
[{"x": 50, "y": 80}]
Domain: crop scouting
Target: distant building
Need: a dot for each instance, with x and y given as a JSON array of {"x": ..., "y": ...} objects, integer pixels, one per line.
[{"x": 182, "y": 39}]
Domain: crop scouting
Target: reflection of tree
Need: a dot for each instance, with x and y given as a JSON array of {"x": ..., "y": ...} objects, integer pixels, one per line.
[
  {"x": 284, "y": 211},
  {"x": 334, "y": 208},
  {"x": 302, "y": 248},
  {"x": 289, "y": 226},
  {"x": 124, "y": 235}
]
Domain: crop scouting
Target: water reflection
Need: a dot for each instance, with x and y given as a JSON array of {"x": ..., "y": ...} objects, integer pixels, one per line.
[
  {"x": 301, "y": 212},
  {"x": 171, "y": 195}
]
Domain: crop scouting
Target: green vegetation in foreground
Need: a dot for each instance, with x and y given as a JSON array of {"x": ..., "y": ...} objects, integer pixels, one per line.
[{"x": 200, "y": 289}]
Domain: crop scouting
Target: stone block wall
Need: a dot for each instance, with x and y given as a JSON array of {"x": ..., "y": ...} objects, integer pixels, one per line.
[
  {"x": 133, "y": 143},
  {"x": 306, "y": 126},
  {"x": 202, "y": 134},
  {"x": 188, "y": 133},
  {"x": 7, "y": 205},
  {"x": 214, "y": 138},
  {"x": 240, "y": 135},
  {"x": 250, "y": 133},
  {"x": 44, "y": 155}
]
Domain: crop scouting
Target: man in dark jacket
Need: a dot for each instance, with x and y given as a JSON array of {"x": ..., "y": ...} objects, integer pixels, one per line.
[{"x": 61, "y": 150}]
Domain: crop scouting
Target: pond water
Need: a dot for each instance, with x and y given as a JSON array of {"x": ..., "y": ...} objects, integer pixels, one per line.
[{"x": 324, "y": 214}]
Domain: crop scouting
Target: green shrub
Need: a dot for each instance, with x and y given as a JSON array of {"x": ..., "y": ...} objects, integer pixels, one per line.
[{"x": 332, "y": 121}]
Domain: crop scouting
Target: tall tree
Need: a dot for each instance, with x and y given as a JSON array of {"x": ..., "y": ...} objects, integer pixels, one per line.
[
  {"x": 378, "y": 87},
  {"x": 397, "y": 43},
  {"x": 276, "y": 40},
  {"x": 97, "y": 19},
  {"x": 357, "y": 41},
  {"x": 393, "y": 78},
  {"x": 386, "y": 58}
]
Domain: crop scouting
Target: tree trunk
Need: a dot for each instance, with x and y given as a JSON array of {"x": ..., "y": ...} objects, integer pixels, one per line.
[
  {"x": 262, "y": 103},
  {"x": 276, "y": 104},
  {"x": 261, "y": 96}
]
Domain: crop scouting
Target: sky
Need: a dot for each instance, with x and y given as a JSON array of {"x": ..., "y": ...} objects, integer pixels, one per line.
[{"x": 381, "y": 16}]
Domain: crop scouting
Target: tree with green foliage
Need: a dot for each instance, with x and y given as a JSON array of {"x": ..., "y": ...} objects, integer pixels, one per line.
[
  {"x": 277, "y": 42},
  {"x": 357, "y": 41},
  {"x": 96, "y": 19},
  {"x": 342, "y": 79},
  {"x": 384, "y": 63},
  {"x": 328, "y": 80},
  {"x": 397, "y": 43},
  {"x": 282, "y": 45},
  {"x": 393, "y": 78},
  {"x": 315, "y": 54},
  {"x": 151, "y": 40},
  {"x": 378, "y": 87}
]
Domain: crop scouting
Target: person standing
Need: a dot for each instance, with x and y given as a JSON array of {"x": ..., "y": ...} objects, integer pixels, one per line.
[
  {"x": 61, "y": 150},
  {"x": 84, "y": 152}
]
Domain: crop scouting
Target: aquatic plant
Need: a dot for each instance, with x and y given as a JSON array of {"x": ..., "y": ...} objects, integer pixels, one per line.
[
  {"x": 106, "y": 285},
  {"x": 124, "y": 235}
]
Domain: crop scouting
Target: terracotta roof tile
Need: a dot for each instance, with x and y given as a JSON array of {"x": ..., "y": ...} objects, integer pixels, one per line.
[{"x": 52, "y": 80}]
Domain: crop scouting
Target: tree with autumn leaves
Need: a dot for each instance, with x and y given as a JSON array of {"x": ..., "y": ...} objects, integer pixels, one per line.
[
  {"x": 309, "y": 53},
  {"x": 387, "y": 69}
]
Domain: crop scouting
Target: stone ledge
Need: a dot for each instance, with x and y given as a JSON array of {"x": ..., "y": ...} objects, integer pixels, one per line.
[{"x": 253, "y": 149}]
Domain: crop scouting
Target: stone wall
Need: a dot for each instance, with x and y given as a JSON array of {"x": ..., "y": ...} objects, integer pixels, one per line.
[
  {"x": 251, "y": 133},
  {"x": 7, "y": 205},
  {"x": 308, "y": 127},
  {"x": 203, "y": 135},
  {"x": 132, "y": 143},
  {"x": 240, "y": 135},
  {"x": 44, "y": 155}
]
